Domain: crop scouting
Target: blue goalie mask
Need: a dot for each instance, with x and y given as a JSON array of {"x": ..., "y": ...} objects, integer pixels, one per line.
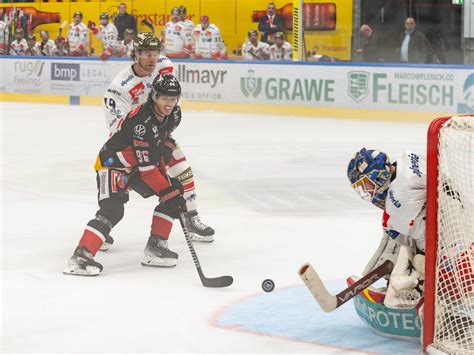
[{"x": 369, "y": 172}]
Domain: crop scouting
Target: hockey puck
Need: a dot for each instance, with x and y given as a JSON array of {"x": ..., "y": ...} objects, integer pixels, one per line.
[{"x": 268, "y": 285}]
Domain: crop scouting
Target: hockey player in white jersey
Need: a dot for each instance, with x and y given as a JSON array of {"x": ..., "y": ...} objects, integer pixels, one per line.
[
  {"x": 177, "y": 44},
  {"x": 32, "y": 49},
  {"x": 188, "y": 29},
  {"x": 108, "y": 34},
  {"x": 130, "y": 88},
  {"x": 208, "y": 42},
  {"x": 399, "y": 188},
  {"x": 19, "y": 45},
  {"x": 280, "y": 50},
  {"x": 253, "y": 49},
  {"x": 78, "y": 36},
  {"x": 4, "y": 35},
  {"x": 126, "y": 45},
  {"x": 47, "y": 46}
]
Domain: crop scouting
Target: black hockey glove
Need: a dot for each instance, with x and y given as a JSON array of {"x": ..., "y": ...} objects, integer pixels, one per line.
[
  {"x": 167, "y": 149},
  {"x": 172, "y": 199}
]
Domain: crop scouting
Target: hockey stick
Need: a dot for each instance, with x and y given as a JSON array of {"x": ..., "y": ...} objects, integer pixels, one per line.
[
  {"x": 221, "y": 281},
  {"x": 148, "y": 24},
  {"x": 328, "y": 302}
]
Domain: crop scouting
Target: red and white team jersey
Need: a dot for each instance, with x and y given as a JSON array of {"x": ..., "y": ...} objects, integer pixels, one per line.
[
  {"x": 125, "y": 49},
  {"x": 33, "y": 51},
  {"x": 108, "y": 35},
  {"x": 78, "y": 39},
  {"x": 47, "y": 48},
  {"x": 405, "y": 207},
  {"x": 18, "y": 48},
  {"x": 188, "y": 32},
  {"x": 177, "y": 43},
  {"x": 3, "y": 37},
  {"x": 260, "y": 51},
  {"x": 284, "y": 52},
  {"x": 128, "y": 90},
  {"x": 208, "y": 43}
]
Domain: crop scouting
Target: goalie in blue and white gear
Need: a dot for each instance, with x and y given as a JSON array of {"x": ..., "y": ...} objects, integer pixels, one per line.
[{"x": 399, "y": 188}]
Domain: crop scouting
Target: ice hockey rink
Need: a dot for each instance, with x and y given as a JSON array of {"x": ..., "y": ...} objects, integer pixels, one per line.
[{"x": 274, "y": 188}]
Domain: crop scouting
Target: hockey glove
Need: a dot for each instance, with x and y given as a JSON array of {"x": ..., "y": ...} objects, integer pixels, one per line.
[
  {"x": 172, "y": 199},
  {"x": 93, "y": 27},
  {"x": 167, "y": 149}
]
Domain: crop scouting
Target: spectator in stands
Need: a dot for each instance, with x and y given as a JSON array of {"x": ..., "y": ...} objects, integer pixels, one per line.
[
  {"x": 270, "y": 24},
  {"x": 32, "y": 48},
  {"x": 126, "y": 45},
  {"x": 439, "y": 45},
  {"x": 281, "y": 50},
  {"x": 253, "y": 49},
  {"x": 124, "y": 20},
  {"x": 19, "y": 45},
  {"x": 78, "y": 37},
  {"x": 47, "y": 46},
  {"x": 371, "y": 49},
  {"x": 208, "y": 42},
  {"x": 413, "y": 44}
]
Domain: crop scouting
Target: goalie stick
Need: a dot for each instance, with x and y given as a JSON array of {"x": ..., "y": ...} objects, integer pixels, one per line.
[
  {"x": 328, "y": 302},
  {"x": 221, "y": 281}
]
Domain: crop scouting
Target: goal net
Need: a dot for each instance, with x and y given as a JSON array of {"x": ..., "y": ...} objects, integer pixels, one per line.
[{"x": 448, "y": 324}]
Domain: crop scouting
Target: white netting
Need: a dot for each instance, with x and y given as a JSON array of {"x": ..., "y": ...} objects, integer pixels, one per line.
[{"x": 454, "y": 305}]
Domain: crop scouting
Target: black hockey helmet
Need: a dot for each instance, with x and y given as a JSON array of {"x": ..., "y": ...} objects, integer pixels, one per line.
[
  {"x": 104, "y": 16},
  {"x": 144, "y": 41},
  {"x": 182, "y": 9},
  {"x": 165, "y": 85},
  {"x": 31, "y": 38},
  {"x": 279, "y": 35},
  {"x": 77, "y": 13},
  {"x": 252, "y": 32},
  {"x": 19, "y": 31}
]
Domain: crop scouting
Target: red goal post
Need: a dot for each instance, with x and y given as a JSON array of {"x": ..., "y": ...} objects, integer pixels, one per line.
[{"x": 448, "y": 316}]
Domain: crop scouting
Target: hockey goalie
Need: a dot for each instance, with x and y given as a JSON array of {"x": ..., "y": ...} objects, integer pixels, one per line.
[{"x": 399, "y": 188}]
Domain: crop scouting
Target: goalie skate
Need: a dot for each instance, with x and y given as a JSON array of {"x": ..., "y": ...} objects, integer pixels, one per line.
[
  {"x": 157, "y": 254},
  {"x": 197, "y": 230},
  {"x": 82, "y": 263}
]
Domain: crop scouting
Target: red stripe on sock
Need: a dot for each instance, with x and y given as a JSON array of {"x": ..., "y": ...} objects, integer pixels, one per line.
[
  {"x": 90, "y": 241},
  {"x": 189, "y": 186},
  {"x": 161, "y": 227}
]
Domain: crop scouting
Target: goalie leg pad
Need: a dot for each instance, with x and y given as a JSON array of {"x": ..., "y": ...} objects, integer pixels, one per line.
[
  {"x": 404, "y": 289},
  {"x": 388, "y": 250}
]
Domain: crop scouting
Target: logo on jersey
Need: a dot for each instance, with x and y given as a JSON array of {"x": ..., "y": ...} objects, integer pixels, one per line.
[
  {"x": 251, "y": 85},
  {"x": 136, "y": 91},
  {"x": 358, "y": 85},
  {"x": 123, "y": 83},
  {"x": 139, "y": 130},
  {"x": 393, "y": 200},
  {"x": 415, "y": 164}
]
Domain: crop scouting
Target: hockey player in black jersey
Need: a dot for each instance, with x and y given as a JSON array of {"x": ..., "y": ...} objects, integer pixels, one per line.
[{"x": 138, "y": 157}]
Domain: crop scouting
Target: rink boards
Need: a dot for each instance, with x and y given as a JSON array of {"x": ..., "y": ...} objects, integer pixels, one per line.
[{"x": 288, "y": 88}]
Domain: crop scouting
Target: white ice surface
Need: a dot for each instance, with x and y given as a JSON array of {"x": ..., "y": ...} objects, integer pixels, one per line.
[{"x": 273, "y": 188}]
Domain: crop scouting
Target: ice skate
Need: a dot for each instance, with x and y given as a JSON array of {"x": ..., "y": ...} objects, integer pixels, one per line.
[
  {"x": 157, "y": 254},
  {"x": 82, "y": 263},
  {"x": 107, "y": 244},
  {"x": 197, "y": 230}
]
